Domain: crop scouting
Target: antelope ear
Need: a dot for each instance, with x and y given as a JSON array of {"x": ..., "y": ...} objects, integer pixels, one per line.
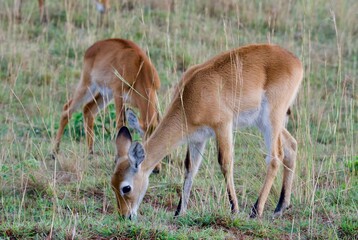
[
  {"x": 133, "y": 121},
  {"x": 136, "y": 155},
  {"x": 123, "y": 141}
]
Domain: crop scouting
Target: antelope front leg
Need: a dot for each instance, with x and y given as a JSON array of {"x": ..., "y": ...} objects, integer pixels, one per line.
[
  {"x": 192, "y": 164},
  {"x": 120, "y": 111},
  {"x": 225, "y": 157}
]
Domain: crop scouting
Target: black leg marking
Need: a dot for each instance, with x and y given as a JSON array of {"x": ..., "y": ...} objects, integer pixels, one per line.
[
  {"x": 231, "y": 202},
  {"x": 220, "y": 160},
  {"x": 220, "y": 157},
  {"x": 281, "y": 200},
  {"x": 178, "y": 209},
  {"x": 187, "y": 162},
  {"x": 254, "y": 212}
]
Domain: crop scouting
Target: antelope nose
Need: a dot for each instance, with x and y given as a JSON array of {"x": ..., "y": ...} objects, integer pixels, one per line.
[{"x": 132, "y": 216}]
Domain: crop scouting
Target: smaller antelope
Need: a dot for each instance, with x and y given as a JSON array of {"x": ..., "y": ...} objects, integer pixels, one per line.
[
  {"x": 114, "y": 69},
  {"x": 249, "y": 86}
]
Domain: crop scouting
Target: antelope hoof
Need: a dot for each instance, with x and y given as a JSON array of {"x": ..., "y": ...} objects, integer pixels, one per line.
[
  {"x": 254, "y": 211},
  {"x": 279, "y": 212},
  {"x": 178, "y": 211},
  {"x": 235, "y": 212},
  {"x": 177, "y": 214},
  {"x": 91, "y": 155},
  {"x": 253, "y": 214}
]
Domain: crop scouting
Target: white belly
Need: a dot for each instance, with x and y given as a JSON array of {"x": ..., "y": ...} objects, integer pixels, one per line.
[{"x": 255, "y": 117}]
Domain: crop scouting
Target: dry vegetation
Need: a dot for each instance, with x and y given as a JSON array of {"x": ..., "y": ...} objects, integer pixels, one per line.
[{"x": 71, "y": 197}]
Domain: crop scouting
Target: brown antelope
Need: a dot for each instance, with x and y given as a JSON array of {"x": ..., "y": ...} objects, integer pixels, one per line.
[
  {"x": 249, "y": 86},
  {"x": 101, "y": 5},
  {"x": 118, "y": 69}
]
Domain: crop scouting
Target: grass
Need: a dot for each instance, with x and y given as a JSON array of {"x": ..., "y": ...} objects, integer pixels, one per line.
[{"x": 71, "y": 197}]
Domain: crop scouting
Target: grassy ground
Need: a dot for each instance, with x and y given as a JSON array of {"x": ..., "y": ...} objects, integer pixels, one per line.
[{"x": 72, "y": 198}]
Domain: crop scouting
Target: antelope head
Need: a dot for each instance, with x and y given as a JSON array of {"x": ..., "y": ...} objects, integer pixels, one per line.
[{"x": 129, "y": 181}]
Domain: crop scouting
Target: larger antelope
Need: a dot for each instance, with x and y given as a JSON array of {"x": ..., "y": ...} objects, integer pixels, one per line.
[
  {"x": 114, "y": 69},
  {"x": 251, "y": 85}
]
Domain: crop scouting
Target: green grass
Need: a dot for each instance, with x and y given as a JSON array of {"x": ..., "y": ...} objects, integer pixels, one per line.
[{"x": 71, "y": 197}]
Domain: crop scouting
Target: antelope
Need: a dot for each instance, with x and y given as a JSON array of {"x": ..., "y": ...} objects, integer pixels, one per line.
[
  {"x": 102, "y": 7},
  {"x": 17, "y": 10},
  {"x": 252, "y": 85},
  {"x": 114, "y": 69}
]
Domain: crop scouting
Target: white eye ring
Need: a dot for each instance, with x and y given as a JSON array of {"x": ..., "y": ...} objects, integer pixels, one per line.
[{"x": 126, "y": 186}]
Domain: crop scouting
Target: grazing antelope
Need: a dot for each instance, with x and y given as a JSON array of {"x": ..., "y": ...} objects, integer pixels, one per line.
[
  {"x": 118, "y": 69},
  {"x": 249, "y": 86}
]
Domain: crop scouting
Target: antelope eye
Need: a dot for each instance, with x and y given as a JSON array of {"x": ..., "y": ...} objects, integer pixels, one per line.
[{"x": 126, "y": 189}]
